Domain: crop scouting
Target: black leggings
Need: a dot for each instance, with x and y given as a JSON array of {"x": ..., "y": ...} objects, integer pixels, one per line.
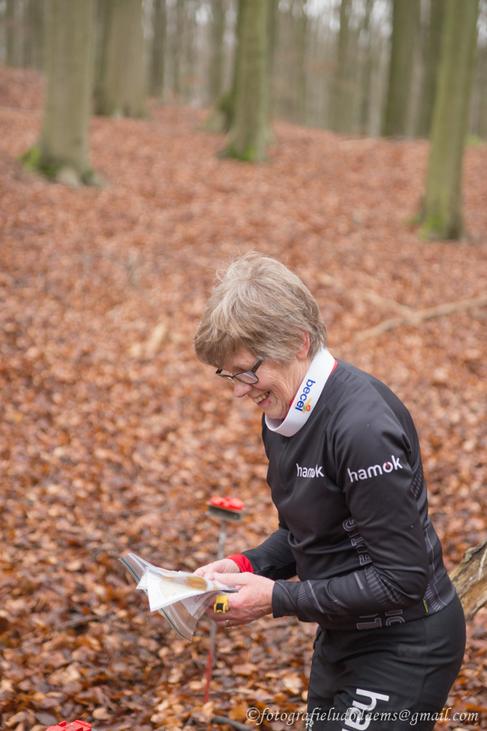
[{"x": 392, "y": 678}]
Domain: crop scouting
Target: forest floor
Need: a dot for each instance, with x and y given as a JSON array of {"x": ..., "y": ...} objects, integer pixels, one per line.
[{"x": 114, "y": 436}]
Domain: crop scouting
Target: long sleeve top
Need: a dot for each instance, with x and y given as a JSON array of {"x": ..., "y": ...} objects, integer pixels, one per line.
[{"x": 353, "y": 513}]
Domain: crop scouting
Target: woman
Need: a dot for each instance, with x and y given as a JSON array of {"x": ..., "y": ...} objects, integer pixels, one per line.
[{"x": 346, "y": 478}]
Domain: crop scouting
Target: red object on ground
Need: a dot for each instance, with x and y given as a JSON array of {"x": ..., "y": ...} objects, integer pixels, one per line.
[
  {"x": 227, "y": 503},
  {"x": 72, "y": 726}
]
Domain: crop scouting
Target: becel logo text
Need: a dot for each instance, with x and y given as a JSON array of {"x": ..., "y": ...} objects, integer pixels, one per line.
[{"x": 303, "y": 397}]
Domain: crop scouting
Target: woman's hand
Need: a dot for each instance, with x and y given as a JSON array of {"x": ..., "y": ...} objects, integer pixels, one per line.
[
  {"x": 253, "y": 600},
  {"x": 223, "y": 566}
]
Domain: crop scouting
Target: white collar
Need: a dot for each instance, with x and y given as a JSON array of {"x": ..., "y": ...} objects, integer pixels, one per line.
[{"x": 306, "y": 396}]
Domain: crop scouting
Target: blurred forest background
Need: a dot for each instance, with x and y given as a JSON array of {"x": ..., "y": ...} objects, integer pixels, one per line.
[
  {"x": 345, "y": 137},
  {"x": 329, "y": 60}
]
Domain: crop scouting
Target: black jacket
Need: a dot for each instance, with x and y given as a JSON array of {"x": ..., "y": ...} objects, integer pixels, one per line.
[{"x": 353, "y": 513}]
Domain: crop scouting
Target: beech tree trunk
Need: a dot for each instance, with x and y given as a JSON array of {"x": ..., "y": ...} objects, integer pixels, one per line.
[
  {"x": 158, "y": 49},
  {"x": 478, "y": 124},
  {"x": 33, "y": 34},
  {"x": 189, "y": 50},
  {"x": 341, "y": 93},
  {"x": 122, "y": 87},
  {"x": 222, "y": 116},
  {"x": 101, "y": 43},
  {"x": 366, "y": 73},
  {"x": 431, "y": 63},
  {"x": 248, "y": 134},
  {"x": 11, "y": 33},
  {"x": 482, "y": 129},
  {"x": 405, "y": 30},
  {"x": 272, "y": 41},
  {"x": 301, "y": 44},
  {"x": 217, "y": 32},
  {"x": 62, "y": 152},
  {"x": 442, "y": 211},
  {"x": 177, "y": 48}
]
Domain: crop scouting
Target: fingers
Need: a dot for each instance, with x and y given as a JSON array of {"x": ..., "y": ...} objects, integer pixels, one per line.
[
  {"x": 228, "y": 624},
  {"x": 208, "y": 570},
  {"x": 233, "y": 579},
  {"x": 225, "y": 621},
  {"x": 222, "y": 566}
]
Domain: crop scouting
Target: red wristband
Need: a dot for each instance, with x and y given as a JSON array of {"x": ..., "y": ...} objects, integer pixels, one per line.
[{"x": 242, "y": 562}]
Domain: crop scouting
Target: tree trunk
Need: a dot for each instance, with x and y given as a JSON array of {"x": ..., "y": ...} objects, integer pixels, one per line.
[
  {"x": 62, "y": 152},
  {"x": 284, "y": 76},
  {"x": 366, "y": 76},
  {"x": 301, "y": 44},
  {"x": 272, "y": 40},
  {"x": 122, "y": 88},
  {"x": 33, "y": 34},
  {"x": 176, "y": 50},
  {"x": 217, "y": 33},
  {"x": 158, "y": 49},
  {"x": 189, "y": 50},
  {"x": 341, "y": 90},
  {"x": 431, "y": 64},
  {"x": 478, "y": 123},
  {"x": 101, "y": 44},
  {"x": 405, "y": 28},
  {"x": 11, "y": 33},
  {"x": 442, "y": 212},
  {"x": 221, "y": 118},
  {"x": 482, "y": 128},
  {"x": 248, "y": 135}
]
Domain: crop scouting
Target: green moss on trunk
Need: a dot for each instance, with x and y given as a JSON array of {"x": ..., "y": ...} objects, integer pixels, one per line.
[{"x": 56, "y": 169}]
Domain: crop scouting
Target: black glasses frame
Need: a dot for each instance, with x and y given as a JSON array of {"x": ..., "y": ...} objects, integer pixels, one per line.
[{"x": 249, "y": 376}]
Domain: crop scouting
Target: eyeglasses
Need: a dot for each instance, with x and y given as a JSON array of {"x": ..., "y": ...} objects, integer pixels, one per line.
[{"x": 248, "y": 377}]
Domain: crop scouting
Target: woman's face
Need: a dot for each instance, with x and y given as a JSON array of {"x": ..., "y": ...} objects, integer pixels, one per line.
[{"x": 277, "y": 384}]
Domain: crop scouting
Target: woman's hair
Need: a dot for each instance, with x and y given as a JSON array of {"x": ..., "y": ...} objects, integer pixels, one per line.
[{"x": 259, "y": 305}]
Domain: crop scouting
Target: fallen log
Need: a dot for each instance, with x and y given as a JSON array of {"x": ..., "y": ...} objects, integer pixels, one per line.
[
  {"x": 470, "y": 579},
  {"x": 416, "y": 317}
]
